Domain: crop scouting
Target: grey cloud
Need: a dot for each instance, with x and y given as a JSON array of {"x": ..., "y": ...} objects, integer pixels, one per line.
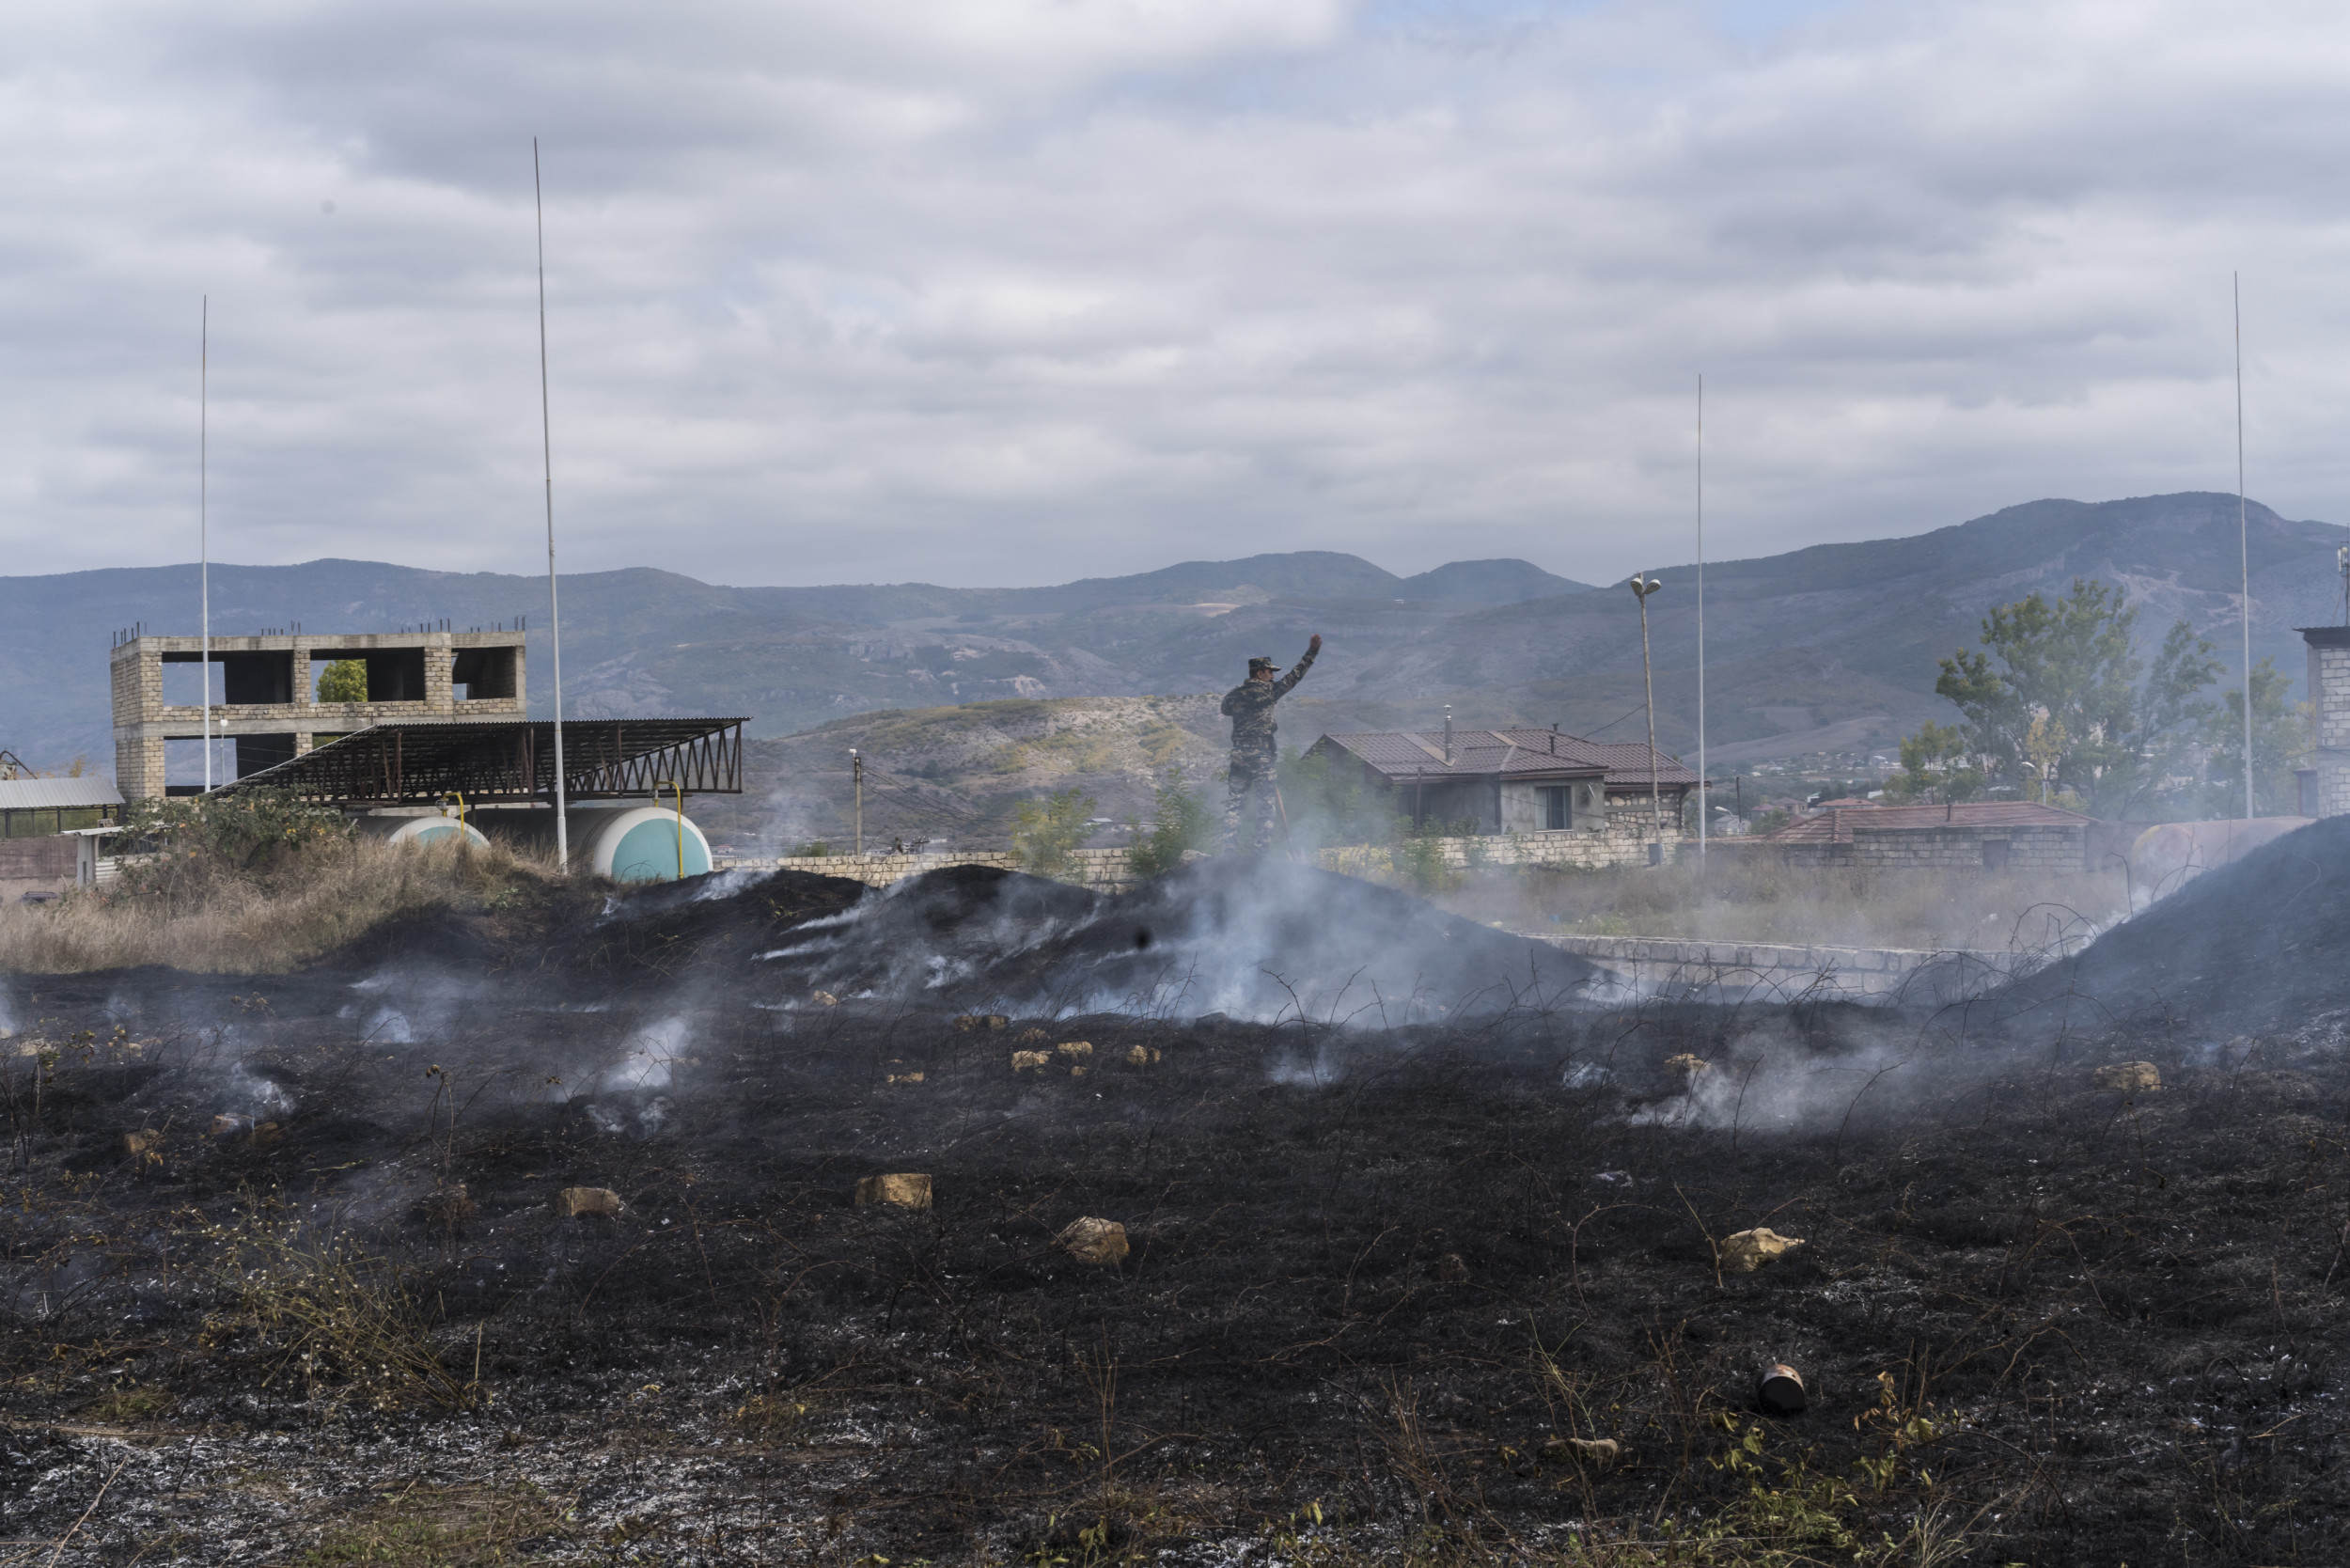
[{"x": 1022, "y": 292}]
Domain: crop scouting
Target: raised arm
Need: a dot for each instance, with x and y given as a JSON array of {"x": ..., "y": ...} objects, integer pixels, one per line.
[{"x": 1297, "y": 671}]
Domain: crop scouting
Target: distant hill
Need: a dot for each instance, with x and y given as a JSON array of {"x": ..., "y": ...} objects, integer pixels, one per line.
[
  {"x": 647, "y": 641},
  {"x": 1830, "y": 648}
]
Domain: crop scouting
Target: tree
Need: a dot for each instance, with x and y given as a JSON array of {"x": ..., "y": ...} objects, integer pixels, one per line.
[
  {"x": 2053, "y": 702},
  {"x": 1938, "y": 765},
  {"x": 2280, "y": 734},
  {"x": 343, "y": 681},
  {"x": 1044, "y": 832}
]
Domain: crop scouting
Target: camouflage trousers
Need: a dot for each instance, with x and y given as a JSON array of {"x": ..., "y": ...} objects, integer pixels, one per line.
[{"x": 1249, "y": 803}]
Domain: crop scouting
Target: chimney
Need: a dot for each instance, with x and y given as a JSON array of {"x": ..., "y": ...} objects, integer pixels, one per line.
[{"x": 1447, "y": 734}]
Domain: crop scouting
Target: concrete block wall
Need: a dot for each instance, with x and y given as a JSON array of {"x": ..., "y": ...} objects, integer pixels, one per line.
[
  {"x": 2329, "y": 692},
  {"x": 2031, "y": 847},
  {"x": 1696, "y": 970}
]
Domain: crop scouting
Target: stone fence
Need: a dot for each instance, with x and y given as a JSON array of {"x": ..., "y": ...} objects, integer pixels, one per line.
[
  {"x": 1621, "y": 843},
  {"x": 1691, "y": 970}
]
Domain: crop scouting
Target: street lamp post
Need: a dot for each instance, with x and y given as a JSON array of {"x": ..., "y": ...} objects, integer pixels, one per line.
[{"x": 1641, "y": 588}]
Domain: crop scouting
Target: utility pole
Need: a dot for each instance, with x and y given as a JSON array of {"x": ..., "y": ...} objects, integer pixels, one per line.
[
  {"x": 203, "y": 528},
  {"x": 1641, "y": 588},
  {"x": 2242, "y": 540},
  {"x": 1705, "y": 799},
  {"x": 856, "y": 772},
  {"x": 546, "y": 452}
]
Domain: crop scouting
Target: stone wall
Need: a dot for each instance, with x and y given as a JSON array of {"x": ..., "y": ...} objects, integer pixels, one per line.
[
  {"x": 1737, "y": 971},
  {"x": 2330, "y": 690},
  {"x": 40, "y": 866},
  {"x": 1623, "y": 842},
  {"x": 2031, "y": 847}
]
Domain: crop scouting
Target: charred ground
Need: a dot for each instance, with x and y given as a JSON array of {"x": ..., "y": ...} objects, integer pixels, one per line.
[{"x": 1374, "y": 1271}]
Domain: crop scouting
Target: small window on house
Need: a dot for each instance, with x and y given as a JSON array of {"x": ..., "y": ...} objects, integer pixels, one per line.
[
  {"x": 1557, "y": 806},
  {"x": 1995, "y": 855}
]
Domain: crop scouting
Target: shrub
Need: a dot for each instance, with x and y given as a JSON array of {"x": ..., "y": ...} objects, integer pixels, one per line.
[
  {"x": 1180, "y": 820},
  {"x": 1044, "y": 832},
  {"x": 194, "y": 844}
]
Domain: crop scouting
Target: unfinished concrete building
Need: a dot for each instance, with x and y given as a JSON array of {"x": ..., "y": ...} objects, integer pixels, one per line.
[{"x": 267, "y": 704}]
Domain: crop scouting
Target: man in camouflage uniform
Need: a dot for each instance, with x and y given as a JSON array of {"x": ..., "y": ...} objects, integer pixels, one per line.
[{"x": 1255, "y": 753}]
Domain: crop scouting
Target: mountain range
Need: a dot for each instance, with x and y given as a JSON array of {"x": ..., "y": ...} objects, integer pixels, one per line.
[{"x": 1831, "y": 648}]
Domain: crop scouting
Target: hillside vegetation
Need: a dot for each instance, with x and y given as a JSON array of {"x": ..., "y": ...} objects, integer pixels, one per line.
[
  {"x": 1827, "y": 649},
  {"x": 953, "y": 775}
]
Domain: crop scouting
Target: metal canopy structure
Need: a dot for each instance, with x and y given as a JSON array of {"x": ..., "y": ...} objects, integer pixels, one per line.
[{"x": 398, "y": 765}]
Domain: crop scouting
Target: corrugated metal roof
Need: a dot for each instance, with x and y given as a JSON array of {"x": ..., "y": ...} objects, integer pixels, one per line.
[
  {"x": 40, "y": 794},
  {"x": 1511, "y": 753},
  {"x": 1836, "y": 826}
]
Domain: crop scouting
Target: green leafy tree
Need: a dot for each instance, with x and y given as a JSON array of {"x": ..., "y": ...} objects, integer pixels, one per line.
[
  {"x": 2053, "y": 701},
  {"x": 2281, "y": 735},
  {"x": 343, "y": 681},
  {"x": 1181, "y": 819},
  {"x": 1938, "y": 765},
  {"x": 1044, "y": 832}
]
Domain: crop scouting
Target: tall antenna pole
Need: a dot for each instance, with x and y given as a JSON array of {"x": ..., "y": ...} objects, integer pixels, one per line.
[
  {"x": 2243, "y": 539},
  {"x": 204, "y": 528},
  {"x": 546, "y": 448},
  {"x": 1704, "y": 801}
]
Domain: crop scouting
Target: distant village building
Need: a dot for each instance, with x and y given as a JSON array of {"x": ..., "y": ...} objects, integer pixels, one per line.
[
  {"x": 1523, "y": 781},
  {"x": 1983, "y": 834}
]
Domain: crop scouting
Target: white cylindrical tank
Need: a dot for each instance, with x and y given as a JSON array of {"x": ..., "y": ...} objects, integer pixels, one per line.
[
  {"x": 639, "y": 844},
  {"x": 421, "y": 830}
]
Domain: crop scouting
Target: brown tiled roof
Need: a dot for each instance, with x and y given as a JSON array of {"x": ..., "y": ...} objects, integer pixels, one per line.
[
  {"x": 1511, "y": 753},
  {"x": 1836, "y": 826}
]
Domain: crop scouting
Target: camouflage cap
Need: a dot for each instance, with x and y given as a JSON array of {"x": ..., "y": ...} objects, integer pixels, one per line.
[{"x": 1260, "y": 662}]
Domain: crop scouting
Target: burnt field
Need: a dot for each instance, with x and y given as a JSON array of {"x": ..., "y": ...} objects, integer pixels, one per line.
[{"x": 1413, "y": 1231}]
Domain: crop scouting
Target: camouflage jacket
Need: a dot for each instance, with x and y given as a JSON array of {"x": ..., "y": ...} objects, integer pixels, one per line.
[{"x": 1249, "y": 705}]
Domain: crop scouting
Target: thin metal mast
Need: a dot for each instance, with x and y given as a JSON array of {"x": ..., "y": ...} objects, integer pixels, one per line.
[
  {"x": 204, "y": 527},
  {"x": 2243, "y": 539},
  {"x": 1704, "y": 799},
  {"x": 546, "y": 448}
]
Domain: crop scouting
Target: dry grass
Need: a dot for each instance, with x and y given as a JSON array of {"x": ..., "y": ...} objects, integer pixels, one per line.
[
  {"x": 331, "y": 1316},
  {"x": 1750, "y": 901},
  {"x": 330, "y": 896},
  {"x": 449, "y": 1527}
]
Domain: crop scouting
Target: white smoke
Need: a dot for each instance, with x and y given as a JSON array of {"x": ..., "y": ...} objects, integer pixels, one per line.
[{"x": 646, "y": 1065}]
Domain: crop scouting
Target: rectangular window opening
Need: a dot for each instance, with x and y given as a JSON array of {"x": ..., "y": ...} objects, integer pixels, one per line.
[
  {"x": 1557, "y": 806},
  {"x": 483, "y": 674},
  {"x": 183, "y": 764},
  {"x": 183, "y": 680}
]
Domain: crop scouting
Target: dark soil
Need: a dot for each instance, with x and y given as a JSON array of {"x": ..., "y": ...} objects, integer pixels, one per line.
[
  {"x": 2261, "y": 944},
  {"x": 1374, "y": 1271}
]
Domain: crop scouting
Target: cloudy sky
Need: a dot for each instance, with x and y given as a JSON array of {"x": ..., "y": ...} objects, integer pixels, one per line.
[{"x": 1019, "y": 290}]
